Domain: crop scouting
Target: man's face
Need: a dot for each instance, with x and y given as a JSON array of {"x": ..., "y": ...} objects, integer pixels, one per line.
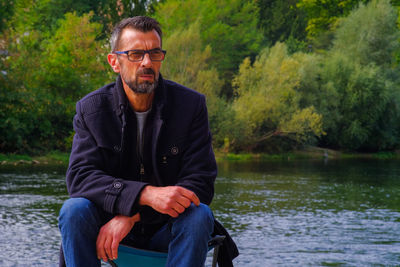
[{"x": 140, "y": 77}]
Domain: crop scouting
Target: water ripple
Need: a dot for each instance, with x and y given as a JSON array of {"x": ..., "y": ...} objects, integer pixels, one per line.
[{"x": 279, "y": 214}]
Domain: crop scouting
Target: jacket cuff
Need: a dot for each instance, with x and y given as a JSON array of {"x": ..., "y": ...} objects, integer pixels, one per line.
[
  {"x": 128, "y": 201},
  {"x": 112, "y": 194}
]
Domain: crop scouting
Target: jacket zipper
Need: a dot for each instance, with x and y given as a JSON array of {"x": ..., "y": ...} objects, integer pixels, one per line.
[
  {"x": 141, "y": 172},
  {"x": 140, "y": 157},
  {"x": 121, "y": 148}
]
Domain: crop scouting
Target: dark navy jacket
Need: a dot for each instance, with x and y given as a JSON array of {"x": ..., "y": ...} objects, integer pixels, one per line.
[{"x": 105, "y": 166}]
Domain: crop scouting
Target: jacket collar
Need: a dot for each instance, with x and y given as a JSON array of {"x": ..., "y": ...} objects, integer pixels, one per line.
[
  {"x": 160, "y": 98},
  {"x": 121, "y": 101}
]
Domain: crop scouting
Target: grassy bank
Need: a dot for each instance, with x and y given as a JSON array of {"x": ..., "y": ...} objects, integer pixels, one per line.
[
  {"x": 51, "y": 158},
  {"x": 306, "y": 153},
  {"x": 61, "y": 158}
]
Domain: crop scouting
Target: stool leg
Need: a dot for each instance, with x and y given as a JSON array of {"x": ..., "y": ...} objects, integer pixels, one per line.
[{"x": 215, "y": 257}]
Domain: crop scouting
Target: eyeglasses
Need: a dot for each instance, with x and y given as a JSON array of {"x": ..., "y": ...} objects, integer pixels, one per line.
[{"x": 138, "y": 55}]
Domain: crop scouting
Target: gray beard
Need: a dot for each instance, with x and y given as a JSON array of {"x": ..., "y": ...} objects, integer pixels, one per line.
[{"x": 142, "y": 88}]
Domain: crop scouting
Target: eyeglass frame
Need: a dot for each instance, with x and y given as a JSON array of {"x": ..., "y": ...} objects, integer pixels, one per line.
[{"x": 144, "y": 53}]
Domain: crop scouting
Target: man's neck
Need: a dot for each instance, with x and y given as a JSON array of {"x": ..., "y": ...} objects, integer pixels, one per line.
[{"x": 139, "y": 102}]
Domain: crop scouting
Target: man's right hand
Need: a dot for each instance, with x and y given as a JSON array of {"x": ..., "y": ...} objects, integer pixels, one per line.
[
  {"x": 112, "y": 233},
  {"x": 171, "y": 200}
]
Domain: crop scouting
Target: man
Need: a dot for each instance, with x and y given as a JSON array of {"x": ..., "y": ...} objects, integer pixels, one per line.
[{"x": 142, "y": 168}]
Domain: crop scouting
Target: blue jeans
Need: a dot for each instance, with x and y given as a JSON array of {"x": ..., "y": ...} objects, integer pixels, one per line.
[{"x": 186, "y": 238}]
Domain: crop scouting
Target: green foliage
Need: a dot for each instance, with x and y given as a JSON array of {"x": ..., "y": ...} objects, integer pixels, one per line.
[
  {"x": 358, "y": 70},
  {"x": 187, "y": 61},
  {"x": 385, "y": 155},
  {"x": 337, "y": 72},
  {"x": 15, "y": 118},
  {"x": 267, "y": 102},
  {"x": 53, "y": 157},
  {"x": 75, "y": 63},
  {"x": 6, "y": 10},
  {"x": 43, "y": 15},
  {"x": 370, "y": 34},
  {"x": 238, "y": 157},
  {"x": 362, "y": 98},
  {"x": 323, "y": 14},
  {"x": 14, "y": 158},
  {"x": 281, "y": 20},
  {"x": 58, "y": 157},
  {"x": 228, "y": 26},
  {"x": 45, "y": 81}
]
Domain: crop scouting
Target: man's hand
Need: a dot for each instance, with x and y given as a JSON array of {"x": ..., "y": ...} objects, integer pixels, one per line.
[
  {"x": 112, "y": 233},
  {"x": 171, "y": 200}
]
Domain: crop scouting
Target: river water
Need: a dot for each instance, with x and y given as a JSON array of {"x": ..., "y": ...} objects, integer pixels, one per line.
[{"x": 295, "y": 213}]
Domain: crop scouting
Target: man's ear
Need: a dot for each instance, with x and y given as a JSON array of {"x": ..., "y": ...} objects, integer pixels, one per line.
[{"x": 113, "y": 61}]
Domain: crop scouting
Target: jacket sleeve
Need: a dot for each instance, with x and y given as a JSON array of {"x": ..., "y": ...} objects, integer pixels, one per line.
[
  {"x": 87, "y": 178},
  {"x": 199, "y": 169}
]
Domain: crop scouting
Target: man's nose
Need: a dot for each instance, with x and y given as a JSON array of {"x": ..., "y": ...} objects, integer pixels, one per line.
[{"x": 146, "y": 62}]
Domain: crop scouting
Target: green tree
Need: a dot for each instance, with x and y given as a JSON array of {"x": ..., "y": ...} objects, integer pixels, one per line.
[
  {"x": 75, "y": 63},
  {"x": 46, "y": 78},
  {"x": 187, "y": 61},
  {"x": 370, "y": 34},
  {"x": 323, "y": 14},
  {"x": 360, "y": 69},
  {"x": 15, "y": 109},
  {"x": 6, "y": 11},
  {"x": 268, "y": 103},
  {"x": 43, "y": 15},
  {"x": 281, "y": 20},
  {"x": 229, "y": 27}
]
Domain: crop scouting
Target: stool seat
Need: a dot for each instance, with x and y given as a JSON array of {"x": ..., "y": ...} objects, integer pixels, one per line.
[{"x": 135, "y": 257}]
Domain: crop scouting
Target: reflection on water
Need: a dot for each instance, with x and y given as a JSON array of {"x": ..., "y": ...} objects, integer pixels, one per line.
[{"x": 338, "y": 213}]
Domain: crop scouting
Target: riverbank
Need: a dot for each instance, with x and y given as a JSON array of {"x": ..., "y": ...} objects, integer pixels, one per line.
[
  {"x": 308, "y": 153},
  {"x": 51, "y": 158}
]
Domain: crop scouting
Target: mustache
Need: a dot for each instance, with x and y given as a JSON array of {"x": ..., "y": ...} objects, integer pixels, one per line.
[{"x": 145, "y": 71}]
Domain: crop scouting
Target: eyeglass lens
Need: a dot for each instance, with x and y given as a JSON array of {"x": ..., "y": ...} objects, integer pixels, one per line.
[{"x": 156, "y": 55}]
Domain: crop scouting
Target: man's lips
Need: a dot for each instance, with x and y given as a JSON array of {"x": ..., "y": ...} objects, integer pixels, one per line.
[{"x": 146, "y": 76}]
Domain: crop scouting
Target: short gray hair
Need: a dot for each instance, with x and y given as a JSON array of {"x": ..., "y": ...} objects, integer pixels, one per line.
[{"x": 141, "y": 23}]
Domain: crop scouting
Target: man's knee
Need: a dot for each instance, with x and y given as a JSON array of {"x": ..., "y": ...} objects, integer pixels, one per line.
[
  {"x": 202, "y": 212},
  {"x": 198, "y": 215},
  {"x": 77, "y": 211}
]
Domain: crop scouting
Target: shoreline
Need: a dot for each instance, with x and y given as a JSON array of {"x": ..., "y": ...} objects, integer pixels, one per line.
[
  {"x": 51, "y": 158},
  {"x": 308, "y": 153}
]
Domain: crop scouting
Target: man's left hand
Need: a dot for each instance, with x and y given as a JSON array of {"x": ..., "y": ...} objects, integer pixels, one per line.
[
  {"x": 112, "y": 233},
  {"x": 171, "y": 200}
]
